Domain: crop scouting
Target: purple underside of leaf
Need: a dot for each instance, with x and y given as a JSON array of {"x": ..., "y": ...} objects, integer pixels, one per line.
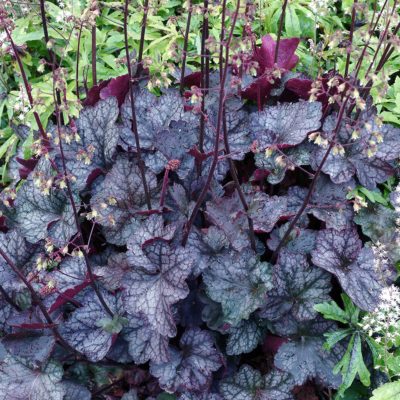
[{"x": 361, "y": 276}]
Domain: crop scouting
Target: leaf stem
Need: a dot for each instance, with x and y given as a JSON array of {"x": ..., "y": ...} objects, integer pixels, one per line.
[
  {"x": 94, "y": 55},
  {"x": 77, "y": 62},
  {"x": 132, "y": 100},
  {"x": 219, "y": 123},
  {"x": 52, "y": 56},
  {"x": 26, "y": 85},
  {"x": 349, "y": 47},
  {"x": 37, "y": 300},
  {"x": 164, "y": 187},
  {"x": 278, "y": 39},
  {"x": 313, "y": 182},
  {"x": 232, "y": 169},
  {"x": 74, "y": 207},
  {"x": 142, "y": 36},
  {"x": 185, "y": 45},
  {"x": 205, "y": 71}
]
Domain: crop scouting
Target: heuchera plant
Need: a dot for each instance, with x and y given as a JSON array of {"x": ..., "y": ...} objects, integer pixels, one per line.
[{"x": 178, "y": 236}]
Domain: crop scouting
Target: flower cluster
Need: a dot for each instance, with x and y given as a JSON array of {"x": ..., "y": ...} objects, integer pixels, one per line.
[
  {"x": 383, "y": 324},
  {"x": 320, "y": 7}
]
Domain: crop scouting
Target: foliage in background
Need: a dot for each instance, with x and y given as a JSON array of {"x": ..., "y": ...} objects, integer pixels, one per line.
[{"x": 316, "y": 22}]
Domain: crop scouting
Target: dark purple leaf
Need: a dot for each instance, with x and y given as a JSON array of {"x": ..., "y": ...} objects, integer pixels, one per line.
[
  {"x": 74, "y": 391},
  {"x": 116, "y": 87},
  {"x": 118, "y": 197},
  {"x": 239, "y": 281},
  {"x": 227, "y": 214},
  {"x": 18, "y": 382},
  {"x": 86, "y": 329},
  {"x": 360, "y": 274},
  {"x": 278, "y": 164},
  {"x": 306, "y": 359},
  {"x": 40, "y": 215},
  {"x": 249, "y": 384},
  {"x": 265, "y": 211},
  {"x": 328, "y": 202},
  {"x": 297, "y": 288},
  {"x": 300, "y": 240},
  {"x": 286, "y": 124},
  {"x": 98, "y": 132},
  {"x": 368, "y": 157},
  {"x": 145, "y": 343},
  {"x": 191, "y": 367},
  {"x": 156, "y": 281},
  {"x": 244, "y": 338},
  {"x": 154, "y": 114}
]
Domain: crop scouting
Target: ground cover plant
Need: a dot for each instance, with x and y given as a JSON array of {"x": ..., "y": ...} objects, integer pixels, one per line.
[{"x": 234, "y": 235}]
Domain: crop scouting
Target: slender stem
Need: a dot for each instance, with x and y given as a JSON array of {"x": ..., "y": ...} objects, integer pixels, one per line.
[
  {"x": 278, "y": 39},
  {"x": 349, "y": 48},
  {"x": 142, "y": 36},
  {"x": 381, "y": 40},
  {"x": 388, "y": 51},
  {"x": 45, "y": 31},
  {"x": 52, "y": 56},
  {"x": 132, "y": 100},
  {"x": 164, "y": 187},
  {"x": 94, "y": 56},
  {"x": 203, "y": 60},
  {"x": 77, "y": 62},
  {"x": 207, "y": 52},
  {"x": 235, "y": 178},
  {"x": 37, "y": 300},
  {"x": 185, "y": 45},
  {"x": 221, "y": 39},
  {"x": 313, "y": 182},
  {"x": 27, "y": 86},
  {"x": 219, "y": 126},
  {"x": 73, "y": 204}
]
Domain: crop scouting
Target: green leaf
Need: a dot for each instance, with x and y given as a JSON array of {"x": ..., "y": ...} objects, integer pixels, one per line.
[
  {"x": 166, "y": 396},
  {"x": 351, "y": 310},
  {"x": 7, "y": 145},
  {"x": 334, "y": 337},
  {"x": 112, "y": 325},
  {"x": 352, "y": 364},
  {"x": 389, "y": 391},
  {"x": 292, "y": 23},
  {"x": 330, "y": 310}
]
